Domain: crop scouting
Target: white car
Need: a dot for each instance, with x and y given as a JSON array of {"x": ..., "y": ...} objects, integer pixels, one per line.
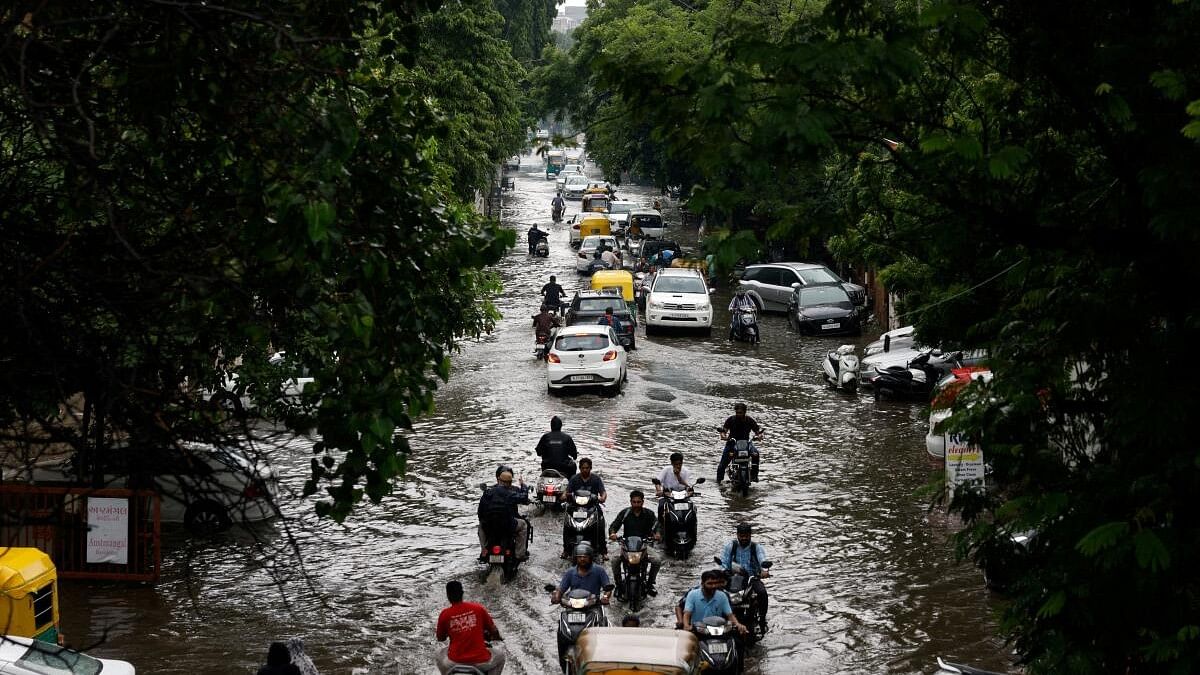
[
  {"x": 26, "y": 656},
  {"x": 945, "y": 392},
  {"x": 587, "y": 250},
  {"x": 678, "y": 298},
  {"x": 618, "y": 215},
  {"x": 560, "y": 181},
  {"x": 575, "y": 185},
  {"x": 205, "y": 487},
  {"x": 649, "y": 223},
  {"x": 586, "y": 356}
]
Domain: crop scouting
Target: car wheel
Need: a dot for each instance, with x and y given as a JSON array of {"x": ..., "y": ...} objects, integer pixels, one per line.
[
  {"x": 206, "y": 518},
  {"x": 708, "y": 332},
  {"x": 650, "y": 330}
]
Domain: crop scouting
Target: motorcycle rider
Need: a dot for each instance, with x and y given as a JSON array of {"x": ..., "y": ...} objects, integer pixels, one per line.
[
  {"x": 750, "y": 556},
  {"x": 544, "y": 323},
  {"x": 738, "y": 428},
  {"x": 673, "y": 477},
  {"x": 535, "y": 235},
  {"x": 498, "y": 509},
  {"x": 557, "y": 449},
  {"x": 739, "y": 302},
  {"x": 638, "y": 522},
  {"x": 557, "y": 205},
  {"x": 586, "y": 480},
  {"x": 610, "y": 319},
  {"x": 468, "y": 626},
  {"x": 722, "y": 581},
  {"x": 552, "y": 294},
  {"x": 584, "y": 575},
  {"x": 705, "y": 601}
]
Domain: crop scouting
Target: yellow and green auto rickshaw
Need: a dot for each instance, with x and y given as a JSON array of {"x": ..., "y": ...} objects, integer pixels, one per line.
[
  {"x": 616, "y": 281},
  {"x": 596, "y": 202},
  {"x": 637, "y": 651},
  {"x": 29, "y": 594}
]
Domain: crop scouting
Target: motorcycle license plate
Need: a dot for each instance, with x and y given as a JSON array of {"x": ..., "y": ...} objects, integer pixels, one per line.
[
  {"x": 682, "y": 507},
  {"x": 581, "y": 378},
  {"x": 718, "y": 648},
  {"x": 547, "y": 498},
  {"x": 744, "y": 454},
  {"x": 495, "y": 558},
  {"x": 830, "y": 326},
  {"x": 576, "y": 617}
]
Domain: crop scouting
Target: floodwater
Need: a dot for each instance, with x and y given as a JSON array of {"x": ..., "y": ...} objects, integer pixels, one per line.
[{"x": 864, "y": 578}]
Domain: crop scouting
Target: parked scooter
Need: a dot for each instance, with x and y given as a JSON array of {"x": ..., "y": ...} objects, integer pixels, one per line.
[
  {"x": 679, "y": 521},
  {"x": 582, "y": 522},
  {"x": 840, "y": 368},
  {"x": 634, "y": 572},
  {"x": 551, "y": 491},
  {"x": 718, "y": 646},
  {"x": 744, "y": 600},
  {"x": 917, "y": 380},
  {"x": 745, "y": 326},
  {"x": 502, "y": 546},
  {"x": 581, "y": 610},
  {"x": 946, "y": 668}
]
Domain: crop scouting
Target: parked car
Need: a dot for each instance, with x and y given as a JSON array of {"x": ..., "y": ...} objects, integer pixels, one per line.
[
  {"x": 618, "y": 215},
  {"x": 900, "y": 338},
  {"x": 587, "y": 250},
  {"x": 245, "y": 401},
  {"x": 587, "y": 307},
  {"x": 770, "y": 285},
  {"x": 945, "y": 392},
  {"x": 823, "y": 309},
  {"x": 678, "y": 298},
  {"x": 26, "y": 656},
  {"x": 205, "y": 487},
  {"x": 575, "y": 185},
  {"x": 586, "y": 356}
]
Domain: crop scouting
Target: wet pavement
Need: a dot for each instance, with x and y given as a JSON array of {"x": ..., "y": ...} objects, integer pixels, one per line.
[{"x": 864, "y": 577}]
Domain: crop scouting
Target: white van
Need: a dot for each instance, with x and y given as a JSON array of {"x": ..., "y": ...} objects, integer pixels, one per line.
[{"x": 678, "y": 298}]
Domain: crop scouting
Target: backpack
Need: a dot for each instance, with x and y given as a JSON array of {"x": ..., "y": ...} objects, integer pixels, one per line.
[{"x": 753, "y": 553}]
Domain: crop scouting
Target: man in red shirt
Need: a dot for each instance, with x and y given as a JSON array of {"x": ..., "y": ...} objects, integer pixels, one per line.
[{"x": 468, "y": 625}]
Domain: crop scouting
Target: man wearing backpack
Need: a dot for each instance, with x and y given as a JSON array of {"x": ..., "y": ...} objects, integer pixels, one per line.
[
  {"x": 751, "y": 557},
  {"x": 498, "y": 510}
]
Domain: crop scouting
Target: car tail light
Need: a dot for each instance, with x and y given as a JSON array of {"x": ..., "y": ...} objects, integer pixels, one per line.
[
  {"x": 553, "y": 358},
  {"x": 496, "y": 550},
  {"x": 610, "y": 355}
]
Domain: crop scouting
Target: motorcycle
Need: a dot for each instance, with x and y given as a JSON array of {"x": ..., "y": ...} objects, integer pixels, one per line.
[
  {"x": 745, "y": 326},
  {"x": 551, "y": 491},
  {"x": 739, "y": 466},
  {"x": 537, "y": 244},
  {"x": 502, "y": 547},
  {"x": 718, "y": 646},
  {"x": 556, "y": 212},
  {"x": 744, "y": 600},
  {"x": 679, "y": 521},
  {"x": 840, "y": 368},
  {"x": 581, "y": 610},
  {"x": 634, "y": 570},
  {"x": 916, "y": 381},
  {"x": 947, "y": 668},
  {"x": 541, "y": 249},
  {"x": 541, "y": 345},
  {"x": 583, "y": 520}
]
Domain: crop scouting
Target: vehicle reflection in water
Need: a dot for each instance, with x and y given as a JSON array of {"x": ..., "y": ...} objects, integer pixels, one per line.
[{"x": 864, "y": 577}]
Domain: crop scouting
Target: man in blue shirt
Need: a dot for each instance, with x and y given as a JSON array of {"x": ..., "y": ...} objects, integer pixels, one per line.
[
  {"x": 751, "y": 557},
  {"x": 706, "y": 601},
  {"x": 584, "y": 575}
]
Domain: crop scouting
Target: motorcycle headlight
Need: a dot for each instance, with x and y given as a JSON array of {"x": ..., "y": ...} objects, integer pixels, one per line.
[
  {"x": 633, "y": 557},
  {"x": 716, "y": 630},
  {"x": 577, "y": 603},
  {"x": 582, "y": 501},
  {"x": 735, "y": 597}
]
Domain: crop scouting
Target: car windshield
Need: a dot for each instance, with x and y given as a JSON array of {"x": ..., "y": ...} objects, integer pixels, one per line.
[
  {"x": 51, "y": 659},
  {"x": 818, "y": 275},
  {"x": 590, "y": 244},
  {"x": 617, "y": 207},
  {"x": 646, "y": 220},
  {"x": 822, "y": 295},
  {"x": 671, "y": 284},
  {"x": 581, "y": 343},
  {"x": 576, "y": 179},
  {"x": 600, "y": 304}
]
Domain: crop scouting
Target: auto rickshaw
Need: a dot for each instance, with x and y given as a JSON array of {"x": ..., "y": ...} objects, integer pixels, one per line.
[
  {"x": 637, "y": 651},
  {"x": 555, "y": 161},
  {"x": 618, "y": 281},
  {"x": 594, "y": 223},
  {"x": 29, "y": 594},
  {"x": 595, "y": 201}
]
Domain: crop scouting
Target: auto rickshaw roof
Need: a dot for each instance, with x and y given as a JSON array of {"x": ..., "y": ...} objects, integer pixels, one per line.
[
  {"x": 650, "y": 650},
  {"x": 20, "y": 567}
]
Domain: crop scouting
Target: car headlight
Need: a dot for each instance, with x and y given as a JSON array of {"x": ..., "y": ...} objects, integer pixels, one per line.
[
  {"x": 655, "y": 305},
  {"x": 702, "y": 306}
]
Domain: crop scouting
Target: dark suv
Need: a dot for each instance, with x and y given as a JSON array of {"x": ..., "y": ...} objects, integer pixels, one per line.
[
  {"x": 588, "y": 306},
  {"x": 770, "y": 285}
]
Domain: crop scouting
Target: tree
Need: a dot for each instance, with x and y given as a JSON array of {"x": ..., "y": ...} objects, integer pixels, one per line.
[{"x": 188, "y": 188}]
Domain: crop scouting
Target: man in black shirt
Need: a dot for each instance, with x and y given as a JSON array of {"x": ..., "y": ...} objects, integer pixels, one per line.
[
  {"x": 552, "y": 294},
  {"x": 638, "y": 522},
  {"x": 586, "y": 480},
  {"x": 557, "y": 449},
  {"x": 738, "y": 428}
]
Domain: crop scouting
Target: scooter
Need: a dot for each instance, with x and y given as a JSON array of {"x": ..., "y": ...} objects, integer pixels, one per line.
[
  {"x": 502, "y": 547},
  {"x": 551, "y": 491},
  {"x": 718, "y": 646},
  {"x": 634, "y": 571},
  {"x": 915, "y": 381},
  {"x": 679, "y": 521},
  {"x": 947, "y": 668},
  {"x": 840, "y": 368},
  {"x": 538, "y": 246},
  {"x": 745, "y": 326},
  {"x": 744, "y": 600},
  {"x": 582, "y": 522},
  {"x": 581, "y": 610}
]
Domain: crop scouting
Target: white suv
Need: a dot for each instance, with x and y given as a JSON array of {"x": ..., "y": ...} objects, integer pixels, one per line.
[{"x": 678, "y": 298}]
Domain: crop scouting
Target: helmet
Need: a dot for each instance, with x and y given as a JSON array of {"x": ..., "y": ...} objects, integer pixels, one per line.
[
  {"x": 502, "y": 468},
  {"x": 743, "y": 528},
  {"x": 582, "y": 548}
]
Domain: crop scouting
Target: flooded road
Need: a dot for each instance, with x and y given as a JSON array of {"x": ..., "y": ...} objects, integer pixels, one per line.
[{"x": 864, "y": 578}]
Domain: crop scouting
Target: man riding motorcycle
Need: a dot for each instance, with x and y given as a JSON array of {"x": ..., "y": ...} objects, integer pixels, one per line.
[
  {"x": 738, "y": 428},
  {"x": 552, "y": 294},
  {"x": 544, "y": 323},
  {"x": 739, "y": 302},
  {"x": 557, "y": 449},
  {"x": 637, "y": 522},
  {"x": 498, "y": 509},
  {"x": 750, "y": 556}
]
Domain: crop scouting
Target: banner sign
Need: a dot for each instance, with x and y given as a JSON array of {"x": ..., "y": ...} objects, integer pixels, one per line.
[
  {"x": 108, "y": 530},
  {"x": 964, "y": 462}
]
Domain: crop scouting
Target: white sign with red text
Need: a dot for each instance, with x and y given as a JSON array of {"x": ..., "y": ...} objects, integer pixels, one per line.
[
  {"x": 108, "y": 530},
  {"x": 964, "y": 462}
]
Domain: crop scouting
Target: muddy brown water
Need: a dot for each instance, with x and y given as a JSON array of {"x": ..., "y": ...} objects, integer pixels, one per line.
[{"x": 864, "y": 578}]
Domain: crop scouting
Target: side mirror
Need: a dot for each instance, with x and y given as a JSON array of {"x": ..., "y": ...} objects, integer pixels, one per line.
[
  {"x": 550, "y": 588},
  {"x": 767, "y": 565},
  {"x": 711, "y": 291},
  {"x": 936, "y": 352},
  {"x": 698, "y": 480},
  {"x": 795, "y": 284}
]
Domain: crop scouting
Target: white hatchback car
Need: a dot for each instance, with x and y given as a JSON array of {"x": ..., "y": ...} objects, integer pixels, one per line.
[
  {"x": 587, "y": 250},
  {"x": 678, "y": 298},
  {"x": 586, "y": 356},
  {"x": 26, "y": 656}
]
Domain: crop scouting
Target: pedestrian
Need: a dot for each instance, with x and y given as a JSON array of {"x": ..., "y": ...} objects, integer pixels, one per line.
[{"x": 469, "y": 628}]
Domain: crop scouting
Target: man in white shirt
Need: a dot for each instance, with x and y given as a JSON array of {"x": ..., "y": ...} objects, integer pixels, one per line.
[
  {"x": 609, "y": 256},
  {"x": 674, "y": 477}
]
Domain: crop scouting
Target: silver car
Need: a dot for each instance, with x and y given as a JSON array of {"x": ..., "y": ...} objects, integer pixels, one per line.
[{"x": 770, "y": 285}]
